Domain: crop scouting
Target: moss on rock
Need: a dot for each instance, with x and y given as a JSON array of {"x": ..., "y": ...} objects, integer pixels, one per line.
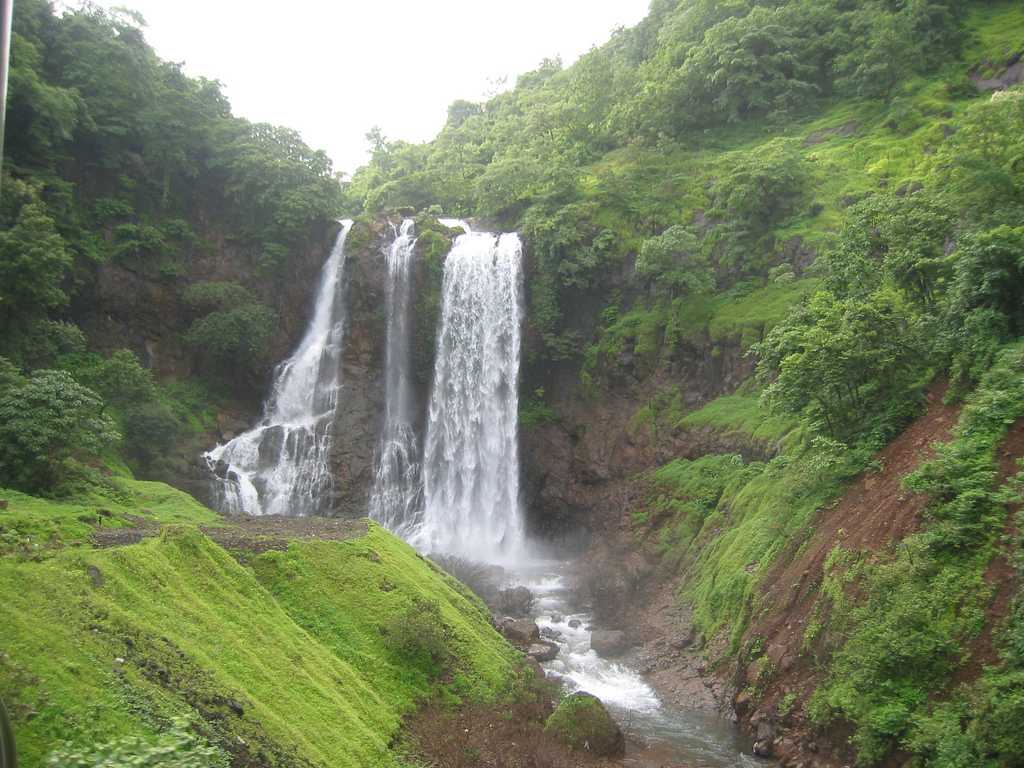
[{"x": 582, "y": 722}]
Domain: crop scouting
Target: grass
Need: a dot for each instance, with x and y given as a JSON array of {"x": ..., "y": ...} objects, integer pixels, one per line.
[
  {"x": 33, "y": 527},
  {"x": 285, "y": 655},
  {"x": 741, "y": 414},
  {"x": 749, "y": 317}
]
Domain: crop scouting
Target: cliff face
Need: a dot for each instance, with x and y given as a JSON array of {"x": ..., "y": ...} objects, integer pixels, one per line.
[{"x": 119, "y": 307}]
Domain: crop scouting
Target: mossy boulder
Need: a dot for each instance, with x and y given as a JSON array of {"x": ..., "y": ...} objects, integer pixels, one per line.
[{"x": 581, "y": 722}]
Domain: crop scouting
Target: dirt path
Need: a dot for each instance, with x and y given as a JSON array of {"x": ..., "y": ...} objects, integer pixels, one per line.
[{"x": 250, "y": 534}]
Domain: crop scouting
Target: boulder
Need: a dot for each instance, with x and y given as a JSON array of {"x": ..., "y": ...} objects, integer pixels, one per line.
[
  {"x": 544, "y": 650},
  {"x": 574, "y": 623},
  {"x": 550, "y": 634},
  {"x": 515, "y": 601},
  {"x": 608, "y": 642},
  {"x": 556, "y": 618},
  {"x": 519, "y": 632},
  {"x": 581, "y": 722}
]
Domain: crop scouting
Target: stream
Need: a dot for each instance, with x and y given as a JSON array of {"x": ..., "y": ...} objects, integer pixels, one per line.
[{"x": 655, "y": 734}]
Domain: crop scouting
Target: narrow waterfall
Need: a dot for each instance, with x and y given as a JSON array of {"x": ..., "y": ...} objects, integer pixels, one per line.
[
  {"x": 395, "y": 499},
  {"x": 280, "y": 466},
  {"x": 471, "y": 457}
]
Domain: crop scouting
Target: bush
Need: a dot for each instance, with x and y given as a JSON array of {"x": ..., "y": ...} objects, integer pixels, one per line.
[
  {"x": 48, "y": 423},
  {"x": 418, "y": 633},
  {"x": 235, "y": 337},
  {"x": 177, "y": 748}
]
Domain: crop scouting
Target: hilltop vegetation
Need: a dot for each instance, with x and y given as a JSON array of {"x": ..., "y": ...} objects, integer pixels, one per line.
[{"x": 822, "y": 186}]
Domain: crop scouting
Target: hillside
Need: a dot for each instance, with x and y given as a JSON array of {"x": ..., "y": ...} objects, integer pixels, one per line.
[
  {"x": 278, "y": 648},
  {"x": 772, "y": 384}
]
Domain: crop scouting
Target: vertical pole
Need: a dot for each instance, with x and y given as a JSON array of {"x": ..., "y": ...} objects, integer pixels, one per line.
[{"x": 6, "y": 11}]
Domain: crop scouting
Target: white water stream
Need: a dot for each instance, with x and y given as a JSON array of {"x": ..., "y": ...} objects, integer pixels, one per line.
[
  {"x": 280, "y": 466},
  {"x": 471, "y": 455},
  {"x": 655, "y": 734},
  {"x": 396, "y": 499}
]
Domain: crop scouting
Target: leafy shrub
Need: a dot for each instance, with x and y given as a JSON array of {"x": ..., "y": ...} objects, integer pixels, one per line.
[
  {"x": 175, "y": 748},
  {"x": 234, "y": 337},
  {"x": 418, "y": 633},
  {"x": 211, "y": 296},
  {"x": 48, "y": 423}
]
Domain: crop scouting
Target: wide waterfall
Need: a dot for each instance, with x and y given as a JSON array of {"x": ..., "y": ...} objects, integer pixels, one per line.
[
  {"x": 395, "y": 499},
  {"x": 471, "y": 457},
  {"x": 280, "y": 466}
]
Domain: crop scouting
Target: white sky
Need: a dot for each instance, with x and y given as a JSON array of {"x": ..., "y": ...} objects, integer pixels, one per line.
[{"x": 332, "y": 70}]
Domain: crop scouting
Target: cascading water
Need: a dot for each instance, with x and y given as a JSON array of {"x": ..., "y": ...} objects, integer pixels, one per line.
[
  {"x": 471, "y": 456},
  {"x": 280, "y": 466},
  {"x": 395, "y": 499}
]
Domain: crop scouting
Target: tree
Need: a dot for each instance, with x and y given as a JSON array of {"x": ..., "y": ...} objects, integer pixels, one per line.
[
  {"x": 836, "y": 360},
  {"x": 675, "y": 262},
  {"x": 48, "y": 425}
]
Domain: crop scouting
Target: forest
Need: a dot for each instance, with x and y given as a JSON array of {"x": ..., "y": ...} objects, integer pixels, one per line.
[{"x": 822, "y": 198}]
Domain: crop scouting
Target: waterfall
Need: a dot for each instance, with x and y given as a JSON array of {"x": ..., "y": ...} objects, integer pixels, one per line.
[
  {"x": 471, "y": 459},
  {"x": 395, "y": 499},
  {"x": 280, "y": 466}
]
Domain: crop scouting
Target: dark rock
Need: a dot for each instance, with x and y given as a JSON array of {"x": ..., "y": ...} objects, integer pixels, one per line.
[
  {"x": 95, "y": 575},
  {"x": 556, "y": 618},
  {"x": 763, "y": 748},
  {"x": 574, "y": 623},
  {"x": 515, "y": 601},
  {"x": 520, "y": 632},
  {"x": 1012, "y": 75},
  {"x": 549, "y": 633},
  {"x": 581, "y": 722},
  {"x": 545, "y": 650}
]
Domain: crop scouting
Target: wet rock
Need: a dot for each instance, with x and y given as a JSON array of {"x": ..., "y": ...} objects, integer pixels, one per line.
[
  {"x": 521, "y": 632},
  {"x": 515, "y": 601},
  {"x": 557, "y": 618},
  {"x": 609, "y": 642},
  {"x": 581, "y": 722},
  {"x": 575, "y": 623},
  {"x": 549, "y": 633},
  {"x": 763, "y": 748},
  {"x": 544, "y": 650}
]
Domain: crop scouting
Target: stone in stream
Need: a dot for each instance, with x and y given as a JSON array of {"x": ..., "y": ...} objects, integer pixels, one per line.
[
  {"x": 519, "y": 632},
  {"x": 574, "y": 623},
  {"x": 609, "y": 642},
  {"x": 556, "y": 618},
  {"x": 544, "y": 650},
  {"x": 581, "y": 722},
  {"x": 550, "y": 634}
]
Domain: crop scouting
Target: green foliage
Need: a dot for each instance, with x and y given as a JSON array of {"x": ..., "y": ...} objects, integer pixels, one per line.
[
  {"x": 293, "y": 638},
  {"x": 235, "y": 338},
  {"x": 835, "y": 360},
  {"x": 418, "y": 633},
  {"x": 176, "y": 748},
  {"x": 675, "y": 263},
  {"x": 49, "y": 426},
  {"x": 742, "y": 414},
  {"x": 212, "y": 296},
  {"x": 923, "y": 602},
  {"x": 581, "y": 722}
]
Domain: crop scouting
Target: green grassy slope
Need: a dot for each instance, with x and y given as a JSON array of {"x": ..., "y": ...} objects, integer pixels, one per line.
[{"x": 283, "y": 659}]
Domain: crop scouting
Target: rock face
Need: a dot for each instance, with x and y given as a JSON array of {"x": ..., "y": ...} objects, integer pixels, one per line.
[
  {"x": 609, "y": 642},
  {"x": 581, "y": 722},
  {"x": 515, "y": 601}
]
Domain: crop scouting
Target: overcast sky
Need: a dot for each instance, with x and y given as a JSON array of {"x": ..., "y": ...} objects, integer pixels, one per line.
[{"x": 332, "y": 70}]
